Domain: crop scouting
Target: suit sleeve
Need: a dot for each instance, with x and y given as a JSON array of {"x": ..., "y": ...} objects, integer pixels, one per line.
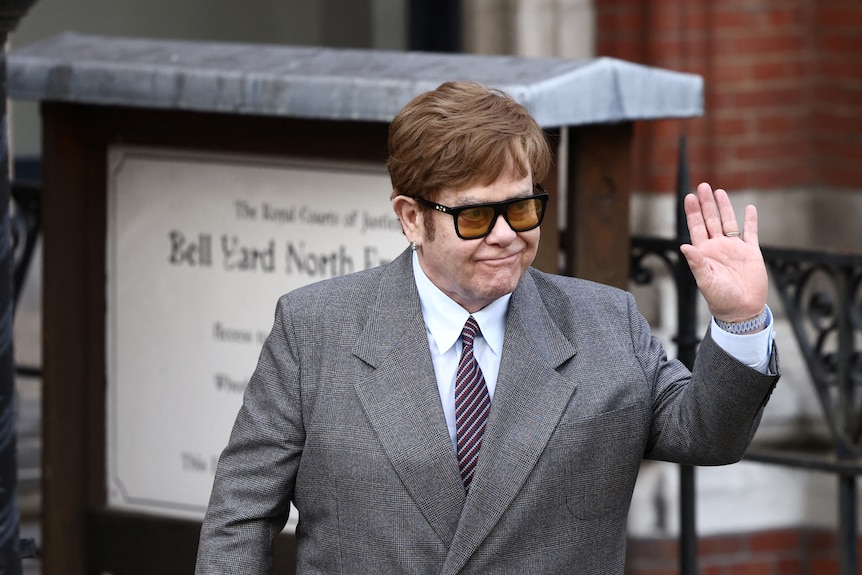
[
  {"x": 255, "y": 478},
  {"x": 708, "y": 416}
]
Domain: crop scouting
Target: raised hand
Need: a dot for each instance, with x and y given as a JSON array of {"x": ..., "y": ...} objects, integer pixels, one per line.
[{"x": 726, "y": 261}]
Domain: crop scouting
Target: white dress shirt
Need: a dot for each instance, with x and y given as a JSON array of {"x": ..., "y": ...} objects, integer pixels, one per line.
[{"x": 444, "y": 320}]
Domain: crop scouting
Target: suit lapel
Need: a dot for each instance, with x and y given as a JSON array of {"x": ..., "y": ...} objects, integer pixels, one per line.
[
  {"x": 529, "y": 401},
  {"x": 402, "y": 401}
]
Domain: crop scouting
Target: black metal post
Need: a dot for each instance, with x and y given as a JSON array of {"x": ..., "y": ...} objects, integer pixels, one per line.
[
  {"x": 10, "y": 557},
  {"x": 848, "y": 528},
  {"x": 10, "y": 560},
  {"x": 686, "y": 341},
  {"x": 847, "y": 487}
]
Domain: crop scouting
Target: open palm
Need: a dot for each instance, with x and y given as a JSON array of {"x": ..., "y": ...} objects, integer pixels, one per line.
[{"x": 726, "y": 261}]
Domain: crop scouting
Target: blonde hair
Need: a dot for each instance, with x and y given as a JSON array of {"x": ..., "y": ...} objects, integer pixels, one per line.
[{"x": 459, "y": 135}]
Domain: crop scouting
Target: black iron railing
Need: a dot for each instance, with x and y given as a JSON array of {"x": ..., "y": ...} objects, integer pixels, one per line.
[{"x": 821, "y": 296}]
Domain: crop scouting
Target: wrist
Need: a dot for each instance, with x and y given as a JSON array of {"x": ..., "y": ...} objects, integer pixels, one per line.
[{"x": 748, "y": 326}]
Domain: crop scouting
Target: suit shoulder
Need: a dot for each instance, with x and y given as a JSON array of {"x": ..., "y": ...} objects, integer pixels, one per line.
[
  {"x": 333, "y": 298},
  {"x": 349, "y": 298},
  {"x": 577, "y": 290},
  {"x": 585, "y": 309},
  {"x": 581, "y": 305},
  {"x": 335, "y": 287}
]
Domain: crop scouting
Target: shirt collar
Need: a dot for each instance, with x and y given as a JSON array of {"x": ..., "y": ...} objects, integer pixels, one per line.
[{"x": 445, "y": 319}]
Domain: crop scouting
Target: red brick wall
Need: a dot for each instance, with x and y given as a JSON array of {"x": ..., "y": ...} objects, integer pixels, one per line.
[
  {"x": 783, "y": 88},
  {"x": 837, "y": 117},
  {"x": 780, "y": 552}
]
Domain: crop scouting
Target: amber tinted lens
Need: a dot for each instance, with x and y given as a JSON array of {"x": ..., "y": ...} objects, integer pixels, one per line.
[
  {"x": 475, "y": 222},
  {"x": 525, "y": 214}
]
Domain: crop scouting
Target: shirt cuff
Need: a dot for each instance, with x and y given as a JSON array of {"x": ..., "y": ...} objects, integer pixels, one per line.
[{"x": 752, "y": 349}]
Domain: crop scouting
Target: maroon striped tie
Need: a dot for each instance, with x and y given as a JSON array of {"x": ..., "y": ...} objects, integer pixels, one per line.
[{"x": 472, "y": 404}]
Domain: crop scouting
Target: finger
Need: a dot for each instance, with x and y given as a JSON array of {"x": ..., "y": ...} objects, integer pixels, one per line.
[
  {"x": 750, "y": 234},
  {"x": 725, "y": 210},
  {"x": 694, "y": 219},
  {"x": 711, "y": 216}
]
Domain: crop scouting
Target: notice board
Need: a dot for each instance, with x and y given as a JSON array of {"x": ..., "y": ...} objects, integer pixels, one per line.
[{"x": 199, "y": 248}]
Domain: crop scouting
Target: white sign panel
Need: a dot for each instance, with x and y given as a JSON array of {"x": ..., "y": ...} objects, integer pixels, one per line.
[{"x": 200, "y": 247}]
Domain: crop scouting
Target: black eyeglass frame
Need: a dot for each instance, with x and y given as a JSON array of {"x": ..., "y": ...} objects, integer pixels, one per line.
[{"x": 500, "y": 209}]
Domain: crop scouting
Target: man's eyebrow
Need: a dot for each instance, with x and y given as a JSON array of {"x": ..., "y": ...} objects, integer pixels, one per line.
[{"x": 466, "y": 201}]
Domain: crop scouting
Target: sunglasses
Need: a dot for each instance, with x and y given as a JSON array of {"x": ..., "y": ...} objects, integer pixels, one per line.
[{"x": 477, "y": 220}]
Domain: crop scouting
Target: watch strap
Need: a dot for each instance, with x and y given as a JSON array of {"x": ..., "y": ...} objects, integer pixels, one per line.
[{"x": 752, "y": 325}]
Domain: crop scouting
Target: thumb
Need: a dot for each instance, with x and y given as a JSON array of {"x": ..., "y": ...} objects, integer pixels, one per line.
[{"x": 693, "y": 256}]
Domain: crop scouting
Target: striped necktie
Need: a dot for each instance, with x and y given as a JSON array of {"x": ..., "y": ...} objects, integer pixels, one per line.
[{"x": 472, "y": 404}]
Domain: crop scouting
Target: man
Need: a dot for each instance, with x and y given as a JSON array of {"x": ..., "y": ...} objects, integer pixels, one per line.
[{"x": 457, "y": 411}]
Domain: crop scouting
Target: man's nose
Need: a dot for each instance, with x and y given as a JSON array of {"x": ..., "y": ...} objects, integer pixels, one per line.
[{"x": 501, "y": 229}]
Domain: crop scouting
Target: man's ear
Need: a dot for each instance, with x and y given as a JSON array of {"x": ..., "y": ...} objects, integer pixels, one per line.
[{"x": 410, "y": 215}]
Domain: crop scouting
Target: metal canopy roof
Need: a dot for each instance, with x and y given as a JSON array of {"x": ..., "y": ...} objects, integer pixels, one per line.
[{"x": 329, "y": 83}]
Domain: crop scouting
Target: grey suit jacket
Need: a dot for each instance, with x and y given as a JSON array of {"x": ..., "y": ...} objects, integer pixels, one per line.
[{"x": 342, "y": 417}]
